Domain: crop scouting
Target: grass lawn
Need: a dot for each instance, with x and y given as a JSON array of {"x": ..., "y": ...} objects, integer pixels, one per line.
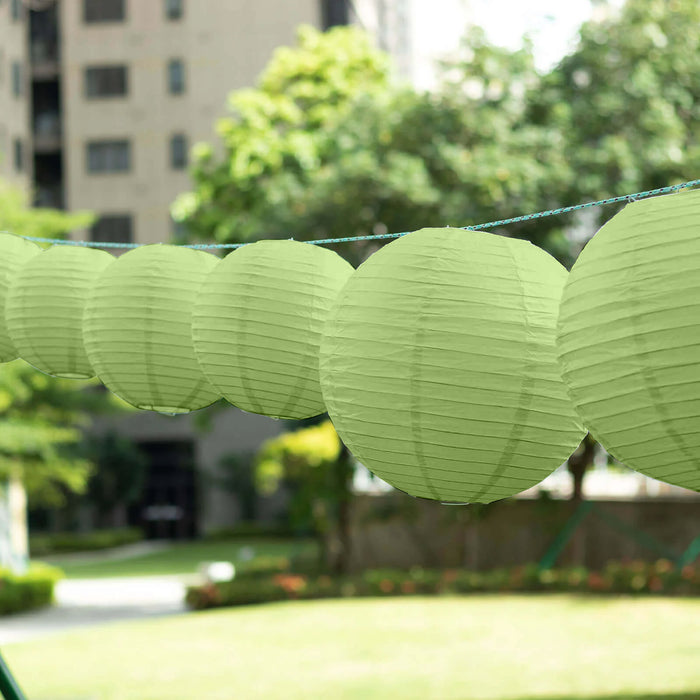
[
  {"x": 472, "y": 648},
  {"x": 184, "y": 557}
]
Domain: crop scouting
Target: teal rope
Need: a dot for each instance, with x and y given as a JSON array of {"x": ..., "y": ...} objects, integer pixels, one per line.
[{"x": 384, "y": 236}]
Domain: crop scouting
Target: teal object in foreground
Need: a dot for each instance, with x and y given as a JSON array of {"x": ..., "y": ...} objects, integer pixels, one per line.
[
  {"x": 257, "y": 325},
  {"x": 44, "y": 309},
  {"x": 629, "y": 337},
  {"x": 438, "y": 366},
  {"x": 14, "y": 252},
  {"x": 137, "y": 328}
]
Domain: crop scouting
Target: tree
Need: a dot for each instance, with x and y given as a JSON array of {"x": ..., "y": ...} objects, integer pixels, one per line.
[
  {"x": 277, "y": 133},
  {"x": 382, "y": 158},
  {"x": 317, "y": 469},
  {"x": 119, "y": 474},
  {"x": 17, "y": 217},
  {"x": 41, "y": 423},
  {"x": 628, "y": 99}
]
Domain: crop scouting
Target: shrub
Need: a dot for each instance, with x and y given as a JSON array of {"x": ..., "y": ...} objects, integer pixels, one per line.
[
  {"x": 618, "y": 578},
  {"x": 65, "y": 542},
  {"x": 250, "y": 529},
  {"x": 33, "y": 589}
]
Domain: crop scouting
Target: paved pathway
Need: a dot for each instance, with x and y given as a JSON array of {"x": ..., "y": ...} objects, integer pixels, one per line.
[{"x": 86, "y": 602}]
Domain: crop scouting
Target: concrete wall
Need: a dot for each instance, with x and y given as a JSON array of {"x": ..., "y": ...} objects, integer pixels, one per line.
[
  {"x": 216, "y": 62},
  {"x": 14, "y": 111},
  {"x": 399, "y": 531}
]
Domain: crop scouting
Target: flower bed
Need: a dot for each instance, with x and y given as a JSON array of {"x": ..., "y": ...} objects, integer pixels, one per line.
[
  {"x": 34, "y": 589},
  {"x": 637, "y": 577}
]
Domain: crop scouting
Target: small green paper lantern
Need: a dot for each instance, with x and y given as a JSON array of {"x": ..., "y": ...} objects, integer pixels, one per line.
[
  {"x": 15, "y": 251},
  {"x": 44, "y": 309},
  {"x": 257, "y": 325},
  {"x": 629, "y": 337},
  {"x": 438, "y": 366},
  {"x": 137, "y": 328}
]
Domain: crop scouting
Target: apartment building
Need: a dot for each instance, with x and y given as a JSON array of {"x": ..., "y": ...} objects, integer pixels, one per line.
[
  {"x": 15, "y": 100},
  {"x": 101, "y": 100}
]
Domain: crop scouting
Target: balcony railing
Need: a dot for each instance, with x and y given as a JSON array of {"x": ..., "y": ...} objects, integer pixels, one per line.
[
  {"x": 47, "y": 132},
  {"x": 44, "y": 55}
]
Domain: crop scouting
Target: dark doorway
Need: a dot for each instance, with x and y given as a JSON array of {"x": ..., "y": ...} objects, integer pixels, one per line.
[{"x": 168, "y": 508}]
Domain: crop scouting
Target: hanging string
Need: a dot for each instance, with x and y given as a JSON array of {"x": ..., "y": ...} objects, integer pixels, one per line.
[{"x": 383, "y": 236}]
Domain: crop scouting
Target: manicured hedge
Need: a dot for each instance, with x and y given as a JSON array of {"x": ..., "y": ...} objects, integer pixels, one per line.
[
  {"x": 64, "y": 542},
  {"x": 660, "y": 577},
  {"x": 34, "y": 589}
]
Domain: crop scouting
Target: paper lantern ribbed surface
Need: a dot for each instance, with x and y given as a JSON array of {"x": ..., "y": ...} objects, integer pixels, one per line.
[
  {"x": 257, "y": 325},
  {"x": 629, "y": 337},
  {"x": 438, "y": 366},
  {"x": 14, "y": 252},
  {"x": 138, "y": 328},
  {"x": 44, "y": 309}
]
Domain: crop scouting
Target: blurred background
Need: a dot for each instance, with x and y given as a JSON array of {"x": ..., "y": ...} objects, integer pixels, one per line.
[{"x": 225, "y": 121}]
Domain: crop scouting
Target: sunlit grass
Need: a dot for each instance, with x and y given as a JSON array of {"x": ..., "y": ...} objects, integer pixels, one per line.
[
  {"x": 184, "y": 557},
  {"x": 474, "y": 647}
]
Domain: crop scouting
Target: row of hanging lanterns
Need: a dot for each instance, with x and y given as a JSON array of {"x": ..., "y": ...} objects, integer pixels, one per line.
[{"x": 457, "y": 365}]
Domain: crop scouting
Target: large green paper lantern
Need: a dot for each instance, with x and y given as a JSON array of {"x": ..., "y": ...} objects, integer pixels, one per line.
[
  {"x": 44, "y": 309},
  {"x": 257, "y": 325},
  {"x": 14, "y": 252},
  {"x": 137, "y": 328},
  {"x": 438, "y": 366},
  {"x": 629, "y": 337}
]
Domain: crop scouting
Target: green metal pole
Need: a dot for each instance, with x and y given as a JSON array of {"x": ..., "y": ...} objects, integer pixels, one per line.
[
  {"x": 560, "y": 541},
  {"x": 8, "y": 685},
  {"x": 690, "y": 554}
]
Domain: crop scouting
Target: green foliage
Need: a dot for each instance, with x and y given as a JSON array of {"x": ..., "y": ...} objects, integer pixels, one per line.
[
  {"x": 41, "y": 422},
  {"x": 627, "y": 100},
  {"x": 119, "y": 474},
  {"x": 379, "y": 158},
  {"x": 244, "y": 530},
  {"x": 33, "y": 589},
  {"x": 657, "y": 578},
  {"x": 236, "y": 475},
  {"x": 304, "y": 461},
  {"x": 64, "y": 542},
  {"x": 17, "y": 217},
  {"x": 277, "y": 132}
]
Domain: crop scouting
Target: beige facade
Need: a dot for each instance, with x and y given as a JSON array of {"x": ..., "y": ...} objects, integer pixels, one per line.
[
  {"x": 221, "y": 44},
  {"x": 15, "y": 154}
]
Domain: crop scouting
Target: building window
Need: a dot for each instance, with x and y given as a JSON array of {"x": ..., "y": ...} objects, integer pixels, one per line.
[
  {"x": 103, "y": 11},
  {"x": 106, "y": 81},
  {"x": 334, "y": 13},
  {"x": 109, "y": 156},
  {"x": 19, "y": 155},
  {"x": 176, "y": 76},
  {"x": 17, "y": 79},
  {"x": 178, "y": 151},
  {"x": 180, "y": 232},
  {"x": 114, "y": 228},
  {"x": 173, "y": 9},
  {"x": 16, "y": 10}
]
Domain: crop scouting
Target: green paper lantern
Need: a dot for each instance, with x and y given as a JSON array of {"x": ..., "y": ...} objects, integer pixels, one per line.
[
  {"x": 137, "y": 328},
  {"x": 15, "y": 251},
  {"x": 44, "y": 309},
  {"x": 438, "y": 366},
  {"x": 629, "y": 337},
  {"x": 257, "y": 325}
]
